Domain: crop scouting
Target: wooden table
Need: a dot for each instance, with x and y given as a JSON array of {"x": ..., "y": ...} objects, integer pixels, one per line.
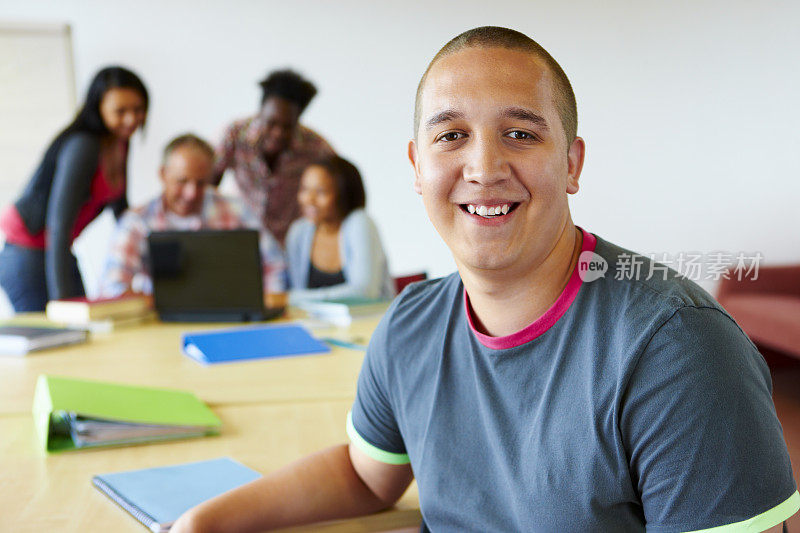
[
  {"x": 273, "y": 412},
  {"x": 40, "y": 492},
  {"x": 151, "y": 355}
]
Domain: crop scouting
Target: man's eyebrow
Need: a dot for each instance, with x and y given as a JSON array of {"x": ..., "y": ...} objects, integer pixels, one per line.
[
  {"x": 443, "y": 116},
  {"x": 526, "y": 114}
]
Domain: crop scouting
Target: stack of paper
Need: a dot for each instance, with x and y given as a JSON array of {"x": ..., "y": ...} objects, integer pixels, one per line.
[
  {"x": 342, "y": 311},
  {"x": 96, "y": 432},
  {"x": 19, "y": 340},
  {"x": 73, "y": 413}
]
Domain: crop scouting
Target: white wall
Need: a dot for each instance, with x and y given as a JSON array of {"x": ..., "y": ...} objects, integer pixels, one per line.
[{"x": 687, "y": 108}]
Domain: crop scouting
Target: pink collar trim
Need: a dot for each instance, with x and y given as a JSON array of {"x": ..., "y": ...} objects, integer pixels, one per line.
[{"x": 544, "y": 322}]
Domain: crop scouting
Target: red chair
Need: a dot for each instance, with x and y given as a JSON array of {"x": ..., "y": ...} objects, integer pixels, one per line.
[
  {"x": 401, "y": 281},
  {"x": 767, "y": 308}
]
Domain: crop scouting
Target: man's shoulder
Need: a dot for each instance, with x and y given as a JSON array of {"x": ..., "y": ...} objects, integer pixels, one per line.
[
  {"x": 312, "y": 141},
  {"x": 417, "y": 317},
  {"x": 238, "y": 132},
  {"x": 643, "y": 282},
  {"x": 241, "y": 123},
  {"x": 141, "y": 214},
  {"x": 632, "y": 308},
  {"x": 135, "y": 223},
  {"x": 419, "y": 292},
  {"x": 425, "y": 302}
]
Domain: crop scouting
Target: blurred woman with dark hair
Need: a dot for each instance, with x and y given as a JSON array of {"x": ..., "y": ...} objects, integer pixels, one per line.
[
  {"x": 83, "y": 171},
  {"x": 334, "y": 250}
]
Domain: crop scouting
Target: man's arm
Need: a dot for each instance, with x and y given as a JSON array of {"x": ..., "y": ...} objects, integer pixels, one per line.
[
  {"x": 224, "y": 154},
  {"x": 706, "y": 447},
  {"x": 125, "y": 259},
  {"x": 339, "y": 482}
]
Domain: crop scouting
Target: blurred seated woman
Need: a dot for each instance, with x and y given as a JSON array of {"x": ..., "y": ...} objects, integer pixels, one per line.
[
  {"x": 83, "y": 171},
  {"x": 334, "y": 250}
]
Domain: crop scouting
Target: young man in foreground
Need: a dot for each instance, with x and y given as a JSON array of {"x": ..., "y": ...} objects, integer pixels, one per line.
[{"x": 521, "y": 397}]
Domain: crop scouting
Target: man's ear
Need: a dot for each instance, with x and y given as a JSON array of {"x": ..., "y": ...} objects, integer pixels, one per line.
[
  {"x": 577, "y": 151},
  {"x": 413, "y": 156},
  {"x": 161, "y": 175}
]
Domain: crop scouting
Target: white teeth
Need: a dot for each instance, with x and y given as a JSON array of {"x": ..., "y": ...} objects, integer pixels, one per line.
[{"x": 484, "y": 211}]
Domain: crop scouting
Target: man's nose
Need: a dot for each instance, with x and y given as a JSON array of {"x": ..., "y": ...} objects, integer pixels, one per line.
[
  {"x": 192, "y": 191},
  {"x": 278, "y": 132},
  {"x": 486, "y": 161}
]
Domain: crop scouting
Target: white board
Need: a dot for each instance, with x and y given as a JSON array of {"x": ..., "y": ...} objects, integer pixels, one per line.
[
  {"x": 37, "y": 100},
  {"x": 37, "y": 97}
]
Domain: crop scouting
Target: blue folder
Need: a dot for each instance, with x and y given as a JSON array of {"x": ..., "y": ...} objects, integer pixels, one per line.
[
  {"x": 158, "y": 496},
  {"x": 240, "y": 344}
]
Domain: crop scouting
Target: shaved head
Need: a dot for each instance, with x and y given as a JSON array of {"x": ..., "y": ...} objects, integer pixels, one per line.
[{"x": 497, "y": 37}]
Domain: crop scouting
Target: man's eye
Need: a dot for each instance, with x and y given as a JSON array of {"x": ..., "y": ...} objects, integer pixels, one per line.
[
  {"x": 450, "y": 136},
  {"x": 521, "y": 135}
]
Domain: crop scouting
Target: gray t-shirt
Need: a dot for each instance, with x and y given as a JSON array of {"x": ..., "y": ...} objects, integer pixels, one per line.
[{"x": 630, "y": 405}]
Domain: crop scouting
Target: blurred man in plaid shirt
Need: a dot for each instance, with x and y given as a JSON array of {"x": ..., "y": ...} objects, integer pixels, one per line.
[
  {"x": 188, "y": 203},
  {"x": 268, "y": 151}
]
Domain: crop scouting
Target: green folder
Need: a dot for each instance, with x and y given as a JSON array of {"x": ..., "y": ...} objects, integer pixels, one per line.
[{"x": 157, "y": 414}]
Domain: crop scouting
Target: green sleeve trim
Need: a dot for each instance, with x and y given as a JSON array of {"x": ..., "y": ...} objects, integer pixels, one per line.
[
  {"x": 373, "y": 451},
  {"x": 761, "y": 522}
]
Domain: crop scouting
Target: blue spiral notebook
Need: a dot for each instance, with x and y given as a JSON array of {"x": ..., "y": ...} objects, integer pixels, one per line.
[
  {"x": 260, "y": 342},
  {"x": 157, "y": 497}
]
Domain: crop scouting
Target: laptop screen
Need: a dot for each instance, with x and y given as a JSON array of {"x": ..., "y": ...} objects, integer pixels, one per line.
[{"x": 206, "y": 275}]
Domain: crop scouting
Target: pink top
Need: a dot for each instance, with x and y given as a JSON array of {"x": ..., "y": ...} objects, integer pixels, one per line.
[
  {"x": 544, "y": 322},
  {"x": 100, "y": 195}
]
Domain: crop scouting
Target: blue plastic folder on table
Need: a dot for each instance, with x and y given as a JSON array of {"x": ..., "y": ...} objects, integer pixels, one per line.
[
  {"x": 158, "y": 496},
  {"x": 240, "y": 344}
]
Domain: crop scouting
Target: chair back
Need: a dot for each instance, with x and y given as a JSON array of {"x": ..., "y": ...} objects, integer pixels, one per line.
[{"x": 401, "y": 282}]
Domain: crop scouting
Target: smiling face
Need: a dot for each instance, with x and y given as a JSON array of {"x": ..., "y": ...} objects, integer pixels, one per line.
[
  {"x": 123, "y": 111},
  {"x": 280, "y": 122},
  {"x": 185, "y": 174},
  {"x": 491, "y": 159},
  {"x": 317, "y": 196}
]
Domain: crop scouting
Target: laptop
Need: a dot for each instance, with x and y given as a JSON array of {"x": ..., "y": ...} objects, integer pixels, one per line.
[{"x": 208, "y": 276}]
